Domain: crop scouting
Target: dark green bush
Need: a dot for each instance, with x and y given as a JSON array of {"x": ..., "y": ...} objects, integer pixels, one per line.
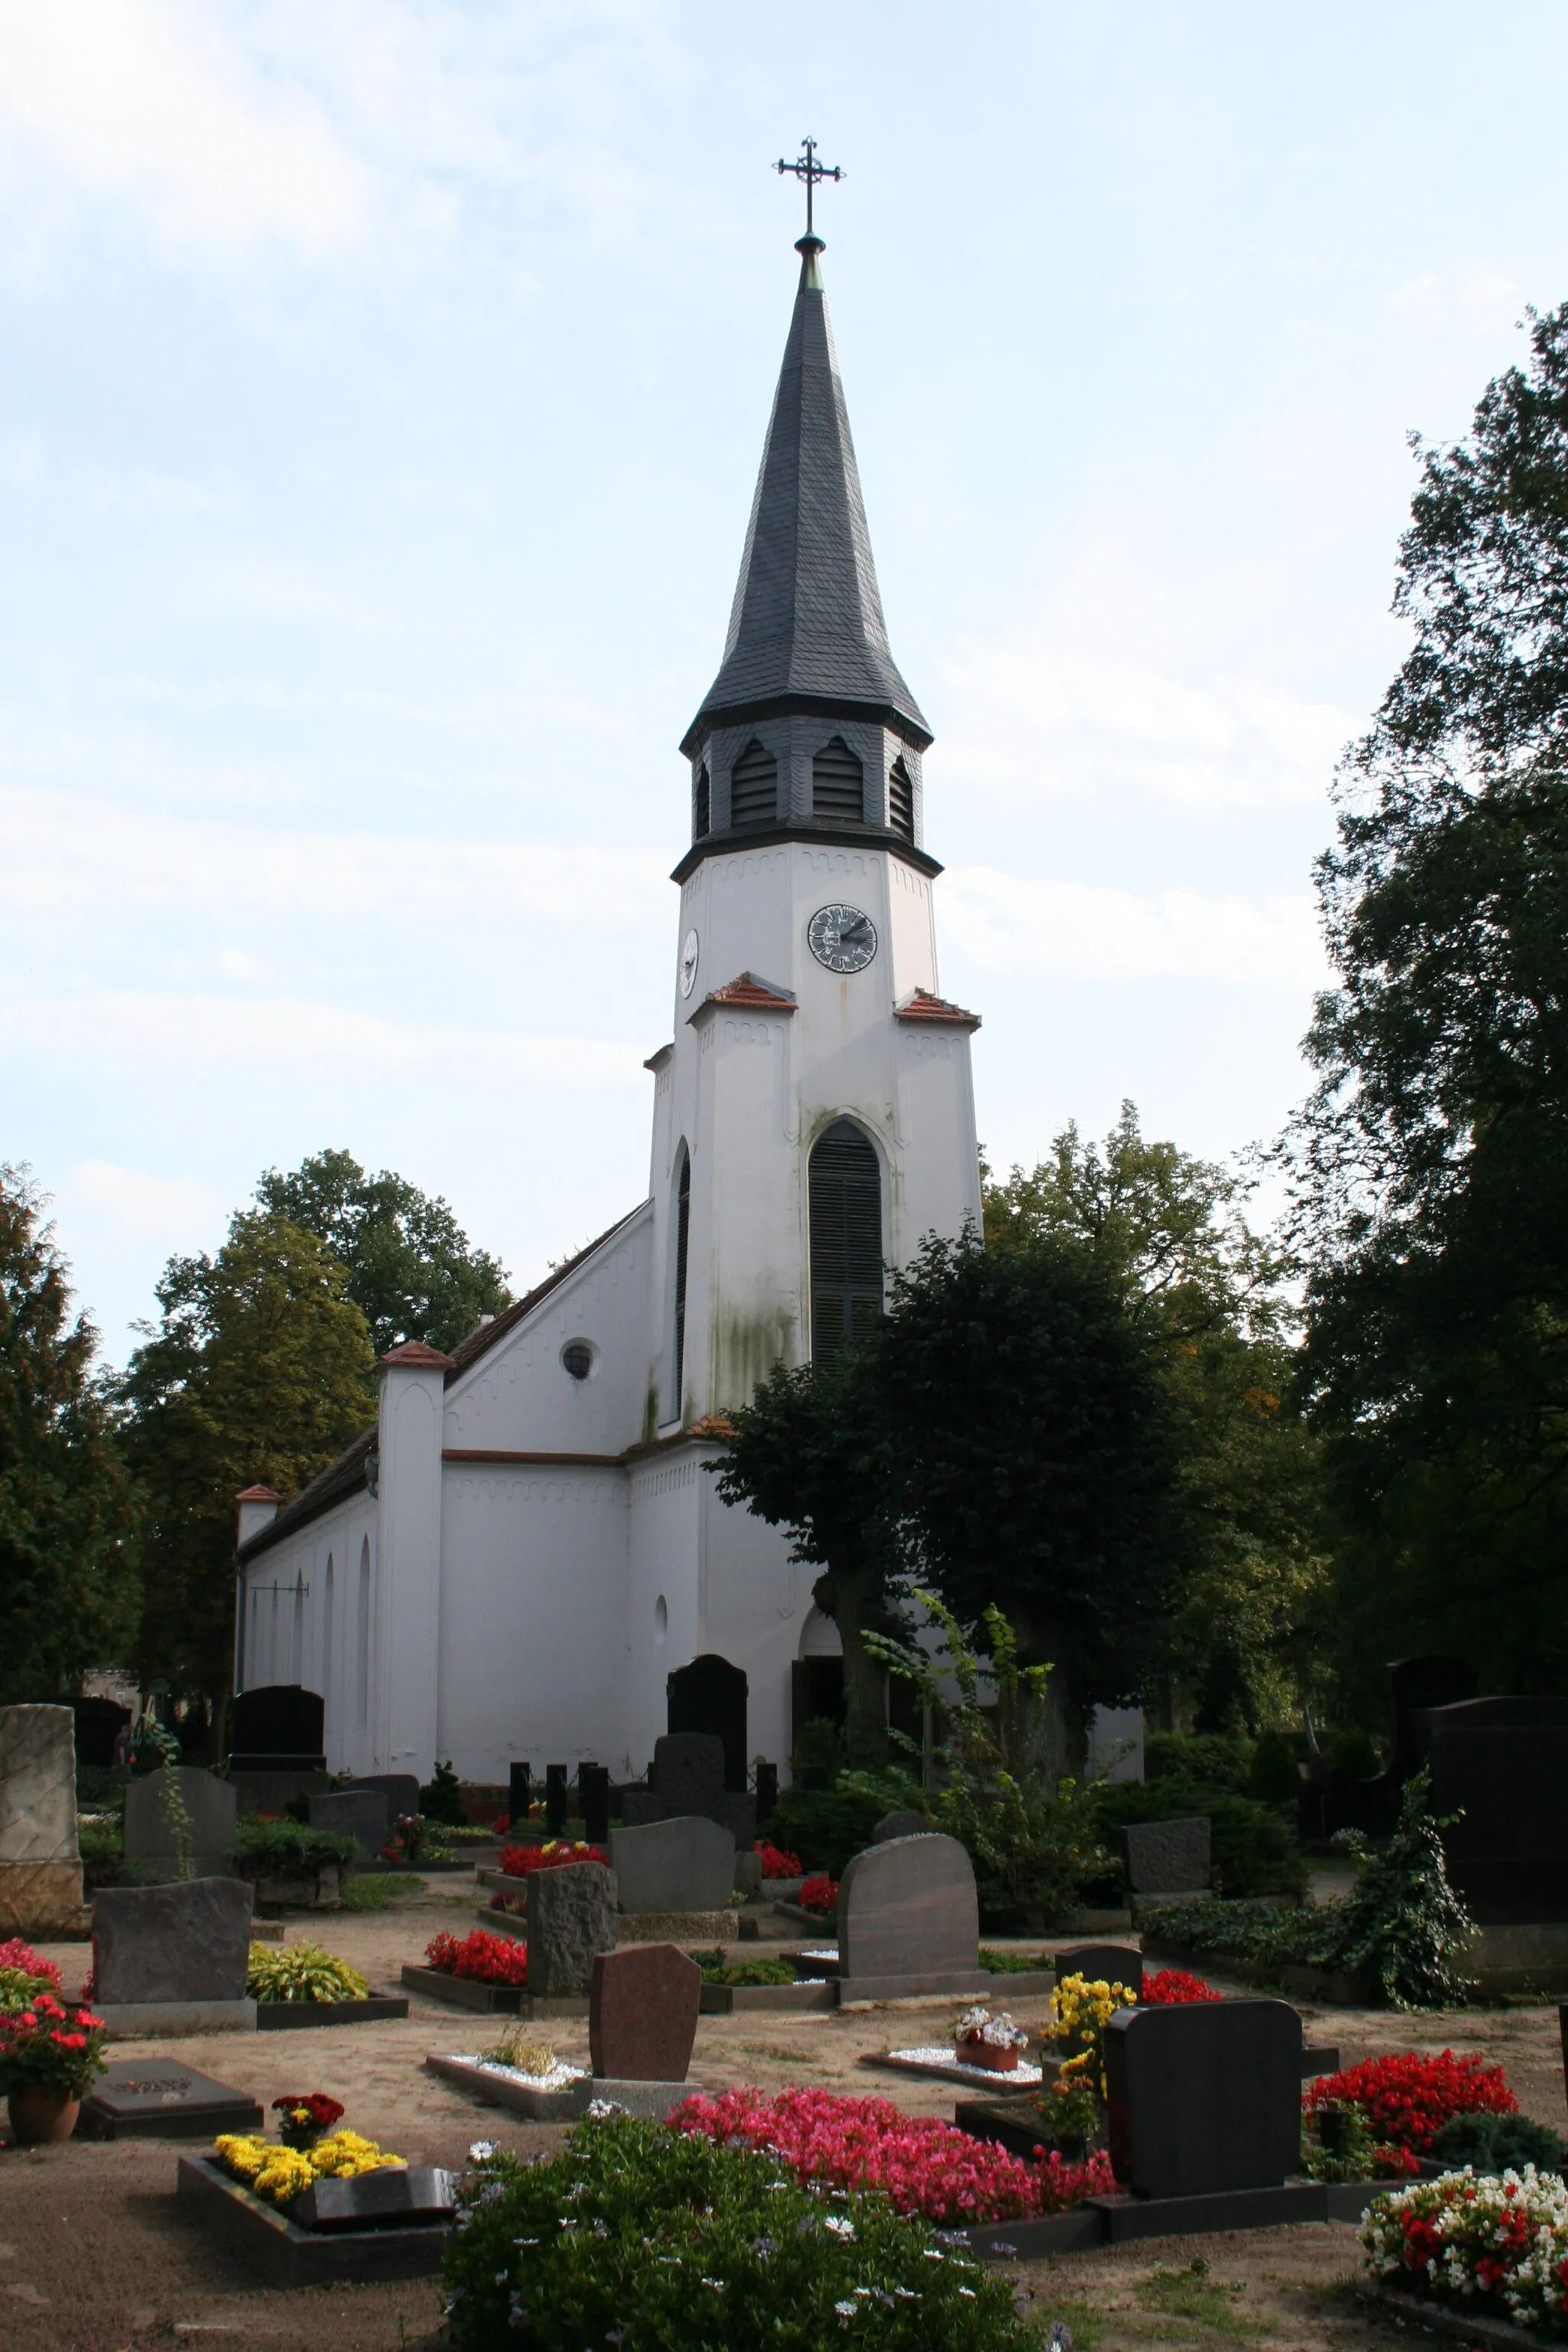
[
  {"x": 1274, "y": 1776},
  {"x": 1254, "y": 1850},
  {"x": 720, "y": 1967},
  {"x": 1352, "y": 1751},
  {"x": 1211, "y": 1757},
  {"x": 282, "y": 1849},
  {"x": 1499, "y": 2144},
  {"x": 659, "y": 2242},
  {"x": 441, "y": 1799},
  {"x": 823, "y": 1826}
]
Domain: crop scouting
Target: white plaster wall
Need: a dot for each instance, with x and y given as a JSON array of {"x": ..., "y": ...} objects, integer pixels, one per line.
[
  {"x": 533, "y": 1610},
  {"x": 664, "y": 1564},
  {"x": 404, "y": 1726},
  {"x": 338, "y": 1535},
  {"x": 756, "y": 1600}
]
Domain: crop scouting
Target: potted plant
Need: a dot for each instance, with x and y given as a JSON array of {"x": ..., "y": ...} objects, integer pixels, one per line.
[
  {"x": 303, "y": 2117},
  {"x": 994, "y": 2042},
  {"x": 49, "y": 2055}
]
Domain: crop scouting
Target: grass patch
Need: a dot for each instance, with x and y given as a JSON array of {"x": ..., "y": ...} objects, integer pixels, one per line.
[
  {"x": 377, "y": 1890},
  {"x": 1193, "y": 2295},
  {"x": 1084, "y": 2322}
]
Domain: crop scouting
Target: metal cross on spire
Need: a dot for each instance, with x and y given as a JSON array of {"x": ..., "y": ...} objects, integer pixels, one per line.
[{"x": 809, "y": 170}]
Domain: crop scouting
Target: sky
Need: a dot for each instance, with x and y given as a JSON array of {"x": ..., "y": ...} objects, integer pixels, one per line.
[{"x": 382, "y": 391}]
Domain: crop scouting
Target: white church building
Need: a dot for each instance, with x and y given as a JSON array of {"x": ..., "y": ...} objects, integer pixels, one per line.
[{"x": 509, "y": 1564}]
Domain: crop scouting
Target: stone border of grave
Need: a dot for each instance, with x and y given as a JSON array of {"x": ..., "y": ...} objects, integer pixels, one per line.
[
  {"x": 1121, "y": 2219},
  {"x": 464, "y": 1993},
  {"x": 937, "y": 2062},
  {"x": 134, "y": 2021},
  {"x": 812, "y": 1993},
  {"x": 287, "y": 2256},
  {"x": 295, "y": 2016},
  {"x": 529, "y": 2096},
  {"x": 1440, "y": 2319}
]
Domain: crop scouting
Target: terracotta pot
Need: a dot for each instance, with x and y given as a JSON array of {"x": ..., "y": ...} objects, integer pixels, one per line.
[
  {"x": 39, "y": 2112},
  {"x": 989, "y": 2055}
]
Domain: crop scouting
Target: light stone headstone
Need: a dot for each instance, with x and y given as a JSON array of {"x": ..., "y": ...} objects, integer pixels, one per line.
[
  {"x": 685, "y": 1864},
  {"x": 1168, "y": 1857},
  {"x": 359, "y": 1813},
  {"x": 149, "y": 1839},
  {"x": 40, "y": 1864},
  {"x": 187, "y": 1942},
  {"x": 571, "y": 1919},
  {"x": 909, "y": 1907}
]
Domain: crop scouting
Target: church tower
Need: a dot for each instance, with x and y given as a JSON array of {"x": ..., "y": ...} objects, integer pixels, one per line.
[{"x": 815, "y": 1114}]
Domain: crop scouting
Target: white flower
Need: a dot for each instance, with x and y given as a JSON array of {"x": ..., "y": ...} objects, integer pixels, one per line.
[
  {"x": 839, "y": 2226},
  {"x": 481, "y": 2151}
]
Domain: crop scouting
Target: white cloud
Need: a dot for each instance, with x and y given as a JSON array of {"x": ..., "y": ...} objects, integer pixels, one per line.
[
  {"x": 274, "y": 590},
  {"x": 129, "y": 1202},
  {"x": 150, "y": 104},
  {"x": 1069, "y": 930},
  {"x": 1477, "y": 300}
]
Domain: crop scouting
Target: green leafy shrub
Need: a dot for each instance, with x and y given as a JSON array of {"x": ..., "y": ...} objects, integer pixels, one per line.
[
  {"x": 441, "y": 1799},
  {"x": 1254, "y": 1850},
  {"x": 662, "y": 2241},
  {"x": 18, "y": 1990},
  {"x": 1352, "y": 1751},
  {"x": 823, "y": 1826},
  {"x": 99, "y": 1837},
  {"x": 1499, "y": 2144},
  {"x": 718, "y": 1968},
  {"x": 302, "y": 1972},
  {"x": 1212, "y": 1758},
  {"x": 1007, "y": 1964},
  {"x": 264, "y": 1849},
  {"x": 1274, "y": 1776}
]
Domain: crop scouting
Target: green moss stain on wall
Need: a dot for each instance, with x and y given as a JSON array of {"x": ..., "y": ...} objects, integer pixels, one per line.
[{"x": 743, "y": 1351}]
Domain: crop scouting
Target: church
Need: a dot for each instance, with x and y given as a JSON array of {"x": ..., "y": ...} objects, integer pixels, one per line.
[{"x": 511, "y": 1563}]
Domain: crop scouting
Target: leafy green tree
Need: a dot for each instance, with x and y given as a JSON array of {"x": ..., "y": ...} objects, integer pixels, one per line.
[
  {"x": 411, "y": 1268},
  {"x": 68, "y": 1589},
  {"x": 253, "y": 1373},
  {"x": 1432, "y": 1159}
]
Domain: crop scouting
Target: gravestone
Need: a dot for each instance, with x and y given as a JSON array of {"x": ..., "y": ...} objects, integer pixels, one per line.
[
  {"x": 390, "y": 2198},
  {"x": 900, "y": 1825},
  {"x": 642, "y": 2013},
  {"x": 908, "y": 1911},
  {"x": 359, "y": 1813},
  {"x": 40, "y": 1865},
  {"x": 149, "y": 1837},
  {"x": 1168, "y": 1858},
  {"x": 594, "y": 1793},
  {"x": 687, "y": 1776},
  {"x": 767, "y": 1789},
  {"x": 571, "y": 1918},
  {"x": 401, "y": 1791},
  {"x": 710, "y": 1695},
  {"x": 555, "y": 1798},
  {"x": 159, "y": 1950},
  {"x": 158, "y": 2098},
  {"x": 1204, "y": 2097},
  {"x": 518, "y": 1797},
  {"x": 1102, "y": 1964},
  {"x": 1494, "y": 1761},
  {"x": 277, "y": 1727},
  {"x": 685, "y": 1864},
  {"x": 1414, "y": 1686}
]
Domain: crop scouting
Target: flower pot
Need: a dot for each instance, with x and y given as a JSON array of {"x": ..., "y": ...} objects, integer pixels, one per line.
[
  {"x": 40, "y": 2113},
  {"x": 996, "y": 2058}
]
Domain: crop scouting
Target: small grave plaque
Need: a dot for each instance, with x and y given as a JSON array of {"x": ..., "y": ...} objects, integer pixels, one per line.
[
  {"x": 571, "y": 1919},
  {"x": 1204, "y": 2098},
  {"x": 359, "y": 1813},
  {"x": 157, "y": 2098},
  {"x": 642, "y": 2013},
  {"x": 1102, "y": 1964},
  {"x": 909, "y": 1907},
  {"x": 685, "y": 1864},
  {"x": 1168, "y": 1857},
  {"x": 390, "y": 2199}
]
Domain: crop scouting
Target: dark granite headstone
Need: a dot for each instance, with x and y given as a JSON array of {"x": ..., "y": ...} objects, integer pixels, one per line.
[
  {"x": 519, "y": 1795},
  {"x": 279, "y": 1727},
  {"x": 689, "y": 1773},
  {"x": 908, "y": 1824},
  {"x": 148, "y": 1835},
  {"x": 359, "y": 1813},
  {"x": 1205, "y": 2096},
  {"x": 158, "y": 2098},
  {"x": 909, "y": 1907},
  {"x": 555, "y": 1798},
  {"x": 390, "y": 2199},
  {"x": 710, "y": 1695},
  {"x": 767, "y": 1789},
  {"x": 185, "y": 1942},
  {"x": 685, "y": 1864},
  {"x": 642, "y": 2013},
  {"x": 1102, "y": 1964},
  {"x": 1168, "y": 1857},
  {"x": 571, "y": 1919},
  {"x": 594, "y": 1793},
  {"x": 1416, "y": 1684},
  {"x": 1495, "y": 1762},
  {"x": 401, "y": 1791}
]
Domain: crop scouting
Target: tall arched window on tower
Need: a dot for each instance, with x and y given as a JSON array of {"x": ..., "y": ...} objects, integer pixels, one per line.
[
  {"x": 846, "y": 1203},
  {"x": 754, "y": 787},
  {"x": 838, "y": 784},
  {"x": 682, "y": 1242},
  {"x": 900, "y": 801},
  {"x": 701, "y": 804}
]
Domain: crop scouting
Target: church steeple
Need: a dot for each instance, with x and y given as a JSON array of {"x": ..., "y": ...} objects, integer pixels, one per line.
[{"x": 806, "y": 633}]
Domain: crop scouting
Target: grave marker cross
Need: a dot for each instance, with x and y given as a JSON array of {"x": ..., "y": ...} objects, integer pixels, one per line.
[{"x": 808, "y": 169}]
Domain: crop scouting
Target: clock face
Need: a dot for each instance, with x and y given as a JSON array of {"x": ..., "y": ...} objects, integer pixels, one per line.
[
  {"x": 690, "y": 949},
  {"x": 842, "y": 938}
]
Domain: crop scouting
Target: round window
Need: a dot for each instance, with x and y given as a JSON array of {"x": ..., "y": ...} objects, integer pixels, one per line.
[{"x": 578, "y": 1358}]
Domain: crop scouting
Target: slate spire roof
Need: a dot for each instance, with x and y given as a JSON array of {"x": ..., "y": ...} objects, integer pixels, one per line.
[{"x": 806, "y": 624}]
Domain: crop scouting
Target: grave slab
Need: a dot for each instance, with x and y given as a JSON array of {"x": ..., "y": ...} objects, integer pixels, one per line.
[
  {"x": 1205, "y": 2098},
  {"x": 571, "y": 1919},
  {"x": 643, "y": 2006},
  {"x": 678, "y": 1926},
  {"x": 911, "y": 1900},
  {"x": 464, "y": 1993},
  {"x": 388, "y": 2198},
  {"x": 359, "y": 1813},
  {"x": 296, "y": 2016},
  {"x": 684, "y": 1864},
  {"x": 1168, "y": 1858},
  {"x": 283, "y": 2254},
  {"x": 159, "y": 2098},
  {"x": 539, "y": 2099},
  {"x": 725, "y": 2001},
  {"x": 185, "y": 1943},
  {"x": 939, "y": 2062},
  {"x": 149, "y": 1840}
]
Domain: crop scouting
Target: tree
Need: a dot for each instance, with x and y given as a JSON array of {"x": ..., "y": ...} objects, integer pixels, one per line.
[
  {"x": 255, "y": 1372},
  {"x": 410, "y": 1266},
  {"x": 69, "y": 1591},
  {"x": 1431, "y": 1161},
  {"x": 807, "y": 1455}
]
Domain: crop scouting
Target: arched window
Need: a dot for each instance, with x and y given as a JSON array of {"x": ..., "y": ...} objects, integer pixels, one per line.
[
  {"x": 845, "y": 1203},
  {"x": 682, "y": 1241},
  {"x": 754, "y": 787},
  {"x": 364, "y": 1633},
  {"x": 901, "y": 801},
  {"x": 701, "y": 804},
  {"x": 838, "y": 784}
]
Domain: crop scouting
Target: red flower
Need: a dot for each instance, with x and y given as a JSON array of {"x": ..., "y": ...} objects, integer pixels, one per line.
[
  {"x": 1168, "y": 1987},
  {"x": 777, "y": 1860},
  {"x": 522, "y": 1861},
  {"x": 1408, "y": 2097},
  {"x": 819, "y": 1895},
  {"x": 486, "y": 1958}
]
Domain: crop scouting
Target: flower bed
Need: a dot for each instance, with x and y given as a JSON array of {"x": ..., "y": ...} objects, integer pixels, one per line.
[
  {"x": 919, "y": 2165},
  {"x": 819, "y": 1896},
  {"x": 48, "y": 2044},
  {"x": 776, "y": 1863},
  {"x": 281, "y": 2174},
  {"x": 1170, "y": 1988},
  {"x": 19, "y": 1959},
  {"x": 522, "y": 1861},
  {"x": 301, "y": 1972},
  {"x": 486, "y": 1958},
  {"x": 1408, "y": 2097},
  {"x": 1500, "y": 2242}
]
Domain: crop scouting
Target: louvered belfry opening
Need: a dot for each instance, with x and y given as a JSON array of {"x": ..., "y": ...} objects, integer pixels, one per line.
[
  {"x": 838, "y": 784},
  {"x": 754, "y": 787},
  {"x": 901, "y": 801},
  {"x": 701, "y": 805},
  {"x": 845, "y": 1203},
  {"x": 682, "y": 1237}
]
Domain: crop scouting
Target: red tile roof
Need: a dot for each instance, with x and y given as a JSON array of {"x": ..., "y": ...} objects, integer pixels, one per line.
[
  {"x": 750, "y": 994},
  {"x": 923, "y": 1006},
  {"x": 259, "y": 1494},
  {"x": 413, "y": 1353}
]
